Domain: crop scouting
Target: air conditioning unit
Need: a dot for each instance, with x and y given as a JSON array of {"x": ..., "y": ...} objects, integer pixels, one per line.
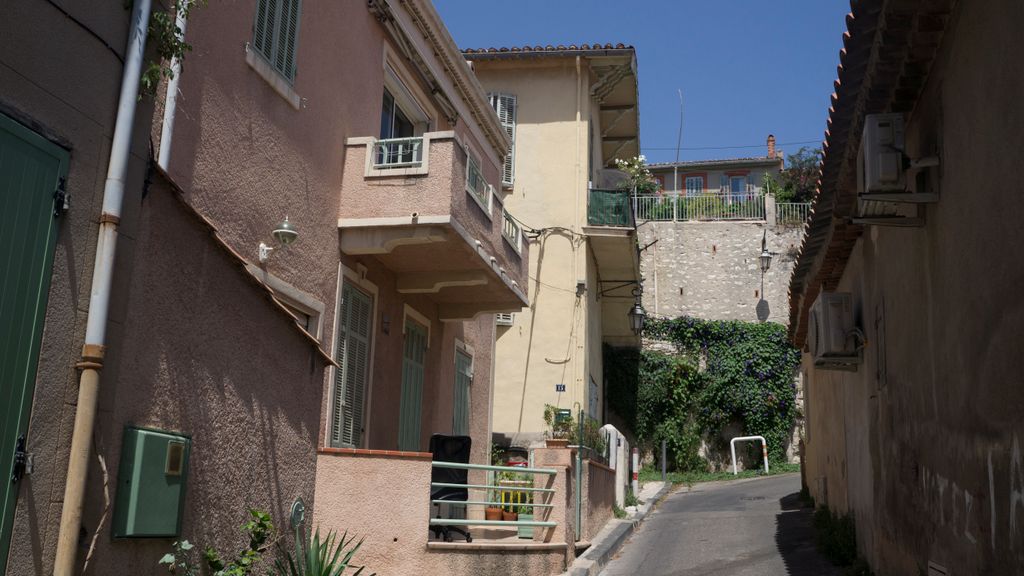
[
  {"x": 833, "y": 339},
  {"x": 504, "y": 318},
  {"x": 880, "y": 162}
]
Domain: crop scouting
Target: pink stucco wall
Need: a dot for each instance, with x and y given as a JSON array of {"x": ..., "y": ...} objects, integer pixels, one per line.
[
  {"x": 384, "y": 500},
  {"x": 598, "y": 497}
]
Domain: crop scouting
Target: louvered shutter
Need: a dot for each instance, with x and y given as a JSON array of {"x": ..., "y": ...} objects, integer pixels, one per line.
[
  {"x": 263, "y": 29},
  {"x": 410, "y": 413},
  {"x": 463, "y": 380},
  {"x": 276, "y": 33},
  {"x": 288, "y": 38},
  {"x": 353, "y": 357},
  {"x": 505, "y": 106}
]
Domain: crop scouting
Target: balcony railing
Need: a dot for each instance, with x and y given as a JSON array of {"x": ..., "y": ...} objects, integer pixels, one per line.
[
  {"x": 792, "y": 213},
  {"x": 509, "y": 495},
  {"x": 610, "y": 208},
  {"x": 512, "y": 232},
  {"x": 397, "y": 153},
  {"x": 703, "y": 207}
]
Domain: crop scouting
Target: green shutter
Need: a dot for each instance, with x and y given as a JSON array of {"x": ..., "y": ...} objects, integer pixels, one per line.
[
  {"x": 276, "y": 33},
  {"x": 30, "y": 170},
  {"x": 463, "y": 379},
  {"x": 413, "y": 359},
  {"x": 352, "y": 374}
]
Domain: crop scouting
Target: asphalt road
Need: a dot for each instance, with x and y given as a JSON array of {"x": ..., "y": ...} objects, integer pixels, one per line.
[{"x": 750, "y": 527}]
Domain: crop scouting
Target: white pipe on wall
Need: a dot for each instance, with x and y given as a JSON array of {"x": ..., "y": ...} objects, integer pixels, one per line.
[
  {"x": 99, "y": 299},
  {"x": 171, "y": 101}
]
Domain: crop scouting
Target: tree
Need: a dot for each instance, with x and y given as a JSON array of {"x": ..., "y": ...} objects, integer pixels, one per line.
[{"x": 797, "y": 181}]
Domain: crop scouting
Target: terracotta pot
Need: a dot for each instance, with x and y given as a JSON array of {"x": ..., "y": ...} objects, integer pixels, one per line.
[
  {"x": 557, "y": 442},
  {"x": 492, "y": 513},
  {"x": 509, "y": 516}
]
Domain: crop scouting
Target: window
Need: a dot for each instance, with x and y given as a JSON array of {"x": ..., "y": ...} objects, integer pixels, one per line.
[
  {"x": 352, "y": 374},
  {"x": 401, "y": 149},
  {"x": 737, "y": 185},
  {"x": 463, "y": 380},
  {"x": 477, "y": 187},
  {"x": 694, "y": 185},
  {"x": 505, "y": 106},
  {"x": 276, "y": 34}
]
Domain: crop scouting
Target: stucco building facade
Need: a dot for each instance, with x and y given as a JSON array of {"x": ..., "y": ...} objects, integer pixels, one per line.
[
  {"x": 288, "y": 370},
  {"x": 575, "y": 112},
  {"x": 921, "y": 438}
]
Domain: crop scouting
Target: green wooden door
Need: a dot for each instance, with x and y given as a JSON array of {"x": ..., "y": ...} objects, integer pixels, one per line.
[
  {"x": 463, "y": 379},
  {"x": 30, "y": 170},
  {"x": 352, "y": 374},
  {"x": 410, "y": 410}
]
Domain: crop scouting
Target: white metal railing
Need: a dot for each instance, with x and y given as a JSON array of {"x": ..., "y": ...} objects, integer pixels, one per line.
[
  {"x": 476, "y": 185},
  {"x": 398, "y": 152},
  {"x": 704, "y": 207},
  {"x": 792, "y": 212},
  {"x": 496, "y": 494},
  {"x": 512, "y": 232}
]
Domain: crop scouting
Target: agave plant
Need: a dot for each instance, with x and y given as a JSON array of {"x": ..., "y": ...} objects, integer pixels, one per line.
[{"x": 328, "y": 557}]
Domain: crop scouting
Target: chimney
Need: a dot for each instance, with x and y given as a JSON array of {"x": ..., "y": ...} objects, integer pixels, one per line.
[{"x": 771, "y": 146}]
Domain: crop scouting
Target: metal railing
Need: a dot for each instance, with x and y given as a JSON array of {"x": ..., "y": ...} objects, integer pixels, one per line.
[
  {"x": 502, "y": 491},
  {"x": 512, "y": 232},
  {"x": 703, "y": 207},
  {"x": 610, "y": 208},
  {"x": 398, "y": 152},
  {"x": 792, "y": 212}
]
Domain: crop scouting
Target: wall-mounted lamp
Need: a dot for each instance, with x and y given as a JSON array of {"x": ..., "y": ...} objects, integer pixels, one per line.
[
  {"x": 637, "y": 314},
  {"x": 285, "y": 233},
  {"x": 766, "y": 256}
]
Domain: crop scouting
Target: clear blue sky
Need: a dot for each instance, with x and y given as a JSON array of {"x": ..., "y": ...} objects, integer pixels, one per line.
[{"x": 747, "y": 68}]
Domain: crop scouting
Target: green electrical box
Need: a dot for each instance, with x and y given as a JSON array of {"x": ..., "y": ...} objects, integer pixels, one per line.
[{"x": 151, "y": 484}]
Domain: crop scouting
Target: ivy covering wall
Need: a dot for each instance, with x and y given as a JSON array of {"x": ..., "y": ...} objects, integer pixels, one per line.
[{"x": 721, "y": 372}]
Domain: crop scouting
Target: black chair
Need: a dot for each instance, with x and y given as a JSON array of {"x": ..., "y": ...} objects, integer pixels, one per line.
[{"x": 450, "y": 449}]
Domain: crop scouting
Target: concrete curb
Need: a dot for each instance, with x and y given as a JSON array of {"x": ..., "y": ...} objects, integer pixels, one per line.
[{"x": 611, "y": 538}]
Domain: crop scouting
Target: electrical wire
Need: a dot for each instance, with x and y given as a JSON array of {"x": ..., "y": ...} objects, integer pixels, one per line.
[{"x": 732, "y": 147}]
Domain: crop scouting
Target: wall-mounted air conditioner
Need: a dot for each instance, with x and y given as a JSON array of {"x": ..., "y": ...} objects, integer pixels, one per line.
[
  {"x": 833, "y": 338},
  {"x": 889, "y": 183}
]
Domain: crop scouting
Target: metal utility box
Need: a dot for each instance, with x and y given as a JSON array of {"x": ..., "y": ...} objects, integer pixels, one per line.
[{"x": 151, "y": 484}]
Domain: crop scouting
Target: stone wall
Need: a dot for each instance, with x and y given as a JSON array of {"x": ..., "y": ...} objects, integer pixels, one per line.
[{"x": 710, "y": 270}]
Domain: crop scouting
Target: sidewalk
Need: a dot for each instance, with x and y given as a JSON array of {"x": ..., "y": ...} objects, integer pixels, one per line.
[{"x": 616, "y": 531}]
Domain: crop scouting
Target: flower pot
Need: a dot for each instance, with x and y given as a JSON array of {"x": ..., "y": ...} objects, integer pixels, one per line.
[
  {"x": 526, "y": 531},
  {"x": 557, "y": 442},
  {"x": 509, "y": 516},
  {"x": 492, "y": 513}
]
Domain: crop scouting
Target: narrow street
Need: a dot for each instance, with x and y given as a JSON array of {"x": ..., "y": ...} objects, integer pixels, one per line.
[{"x": 748, "y": 527}]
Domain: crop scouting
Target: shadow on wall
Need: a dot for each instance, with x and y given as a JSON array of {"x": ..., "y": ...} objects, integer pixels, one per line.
[
  {"x": 763, "y": 310},
  {"x": 794, "y": 537}
]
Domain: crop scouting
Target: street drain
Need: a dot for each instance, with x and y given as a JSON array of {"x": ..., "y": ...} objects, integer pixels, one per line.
[{"x": 752, "y": 498}]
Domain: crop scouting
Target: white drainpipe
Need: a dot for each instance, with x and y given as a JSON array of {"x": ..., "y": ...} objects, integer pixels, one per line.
[
  {"x": 99, "y": 300},
  {"x": 171, "y": 101}
]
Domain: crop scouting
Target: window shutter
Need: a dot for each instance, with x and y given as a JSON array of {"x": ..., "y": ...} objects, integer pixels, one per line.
[
  {"x": 412, "y": 386},
  {"x": 288, "y": 38},
  {"x": 353, "y": 357},
  {"x": 505, "y": 106},
  {"x": 463, "y": 380},
  {"x": 264, "y": 27}
]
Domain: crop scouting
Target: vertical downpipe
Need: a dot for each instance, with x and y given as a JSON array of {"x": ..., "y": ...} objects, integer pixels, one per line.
[
  {"x": 99, "y": 300},
  {"x": 171, "y": 101}
]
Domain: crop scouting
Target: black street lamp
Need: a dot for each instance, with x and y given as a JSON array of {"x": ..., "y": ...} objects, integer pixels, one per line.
[
  {"x": 766, "y": 256},
  {"x": 637, "y": 314}
]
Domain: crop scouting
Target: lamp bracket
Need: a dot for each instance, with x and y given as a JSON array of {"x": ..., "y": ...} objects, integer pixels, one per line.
[{"x": 264, "y": 252}]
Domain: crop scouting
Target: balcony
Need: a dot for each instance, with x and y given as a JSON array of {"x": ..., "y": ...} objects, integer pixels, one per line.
[
  {"x": 610, "y": 208},
  {"x": 424, "y": 207},
  {"x": 701, "y": 207},
  {"x": 611, "y": 234}
]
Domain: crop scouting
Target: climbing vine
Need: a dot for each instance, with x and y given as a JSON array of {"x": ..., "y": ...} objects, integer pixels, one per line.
[
  {"x": 721, "y": 373},
  {"x": 168, "y": 42}
]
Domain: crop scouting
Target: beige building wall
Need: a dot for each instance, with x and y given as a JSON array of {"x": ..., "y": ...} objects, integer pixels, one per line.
[{"x": 557, "y": 340}]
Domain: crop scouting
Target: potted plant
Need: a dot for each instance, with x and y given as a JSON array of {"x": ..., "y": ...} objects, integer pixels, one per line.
[
  {"x": 493, "y": 510},
  {"x": 559, "y": 423}
]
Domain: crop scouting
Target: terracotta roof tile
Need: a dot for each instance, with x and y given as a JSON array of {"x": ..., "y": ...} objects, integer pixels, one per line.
[{"x": 550, "y": 48}]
